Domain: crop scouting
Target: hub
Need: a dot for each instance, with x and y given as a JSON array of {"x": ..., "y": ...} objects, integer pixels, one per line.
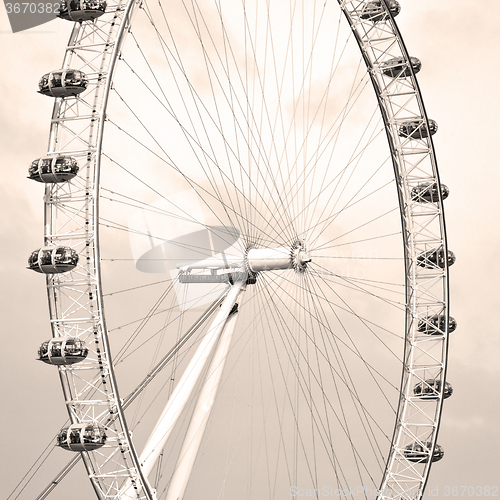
[
  {"x": 231, "y": 268},
  {"x": 274, "y": 259}
]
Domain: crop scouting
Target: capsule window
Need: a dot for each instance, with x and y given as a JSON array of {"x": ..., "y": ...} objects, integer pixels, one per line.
[
  {"x": 45, "y": 167},
  {"x": 44, "y": 81},
  {"x": 56, "y": 80},
  {"x": 46, "y": 257},
  {"x": 399, "y": 68},
  {"x": 62, "y": 165},
  {"x": 418, "y": 453},
  {"x": 33, "y": 259}
]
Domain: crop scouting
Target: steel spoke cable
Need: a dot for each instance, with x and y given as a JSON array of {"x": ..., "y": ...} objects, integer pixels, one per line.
[
  {"x": 379, "y": 455},
  {"x": 354, "y": 160},
  {"x": 279, "y": 408},
  {"x": 332, "y": 218},
  {"x": 218, "y": 197},
  {"x": 353, "y": 350},
  {"x": 356, "y": 287},
  {"x": 329, "y": 283},
  {"x": 241, "y": 165},
  {"x": 170, "y": 161},
  {"x": 333, "y": 70},
  {"x": 332, "y": 334},
  {"x": 330, "y": 331},
  {"x": 332, "y": 132},
  {"x": 322, "y": 192},
  {"x": 154, "y": 210},
  {"x": 305, "y": 390},
  {"x": 269, "y": 42},
  {"x": 170, "y": 110},
  {"x": 220, "y": 127},
  {"x": 368, "y": 366},
  {"x": 154, "y": 190},
  {"x": 345, "y": 309},
  {"x": 379, "y": 237},
  {"x": 281, "y": 328},
  {"x": 354, "y": 394},
  {"x": 163, "y": 197},
  {"x": 320, "y": 377},
  {"x": 232, "y": 93},
  {"x": 355, "y": 166},
  {"x": 337, "y": 136},
  {"x": 346, "y": 377},
  {"x": 37, "y": 464},
  {"x": 260, "y": 80}
]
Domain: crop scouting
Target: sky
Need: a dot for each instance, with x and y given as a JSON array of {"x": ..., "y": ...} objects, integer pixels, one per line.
[{"x": 457, "y": 42}]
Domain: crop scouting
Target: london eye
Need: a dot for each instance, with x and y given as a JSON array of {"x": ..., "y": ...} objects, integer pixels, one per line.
[{"x": 245, "y": 250}]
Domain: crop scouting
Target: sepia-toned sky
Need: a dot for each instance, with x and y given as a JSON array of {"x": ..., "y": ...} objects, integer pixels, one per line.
[{"x": 457, "y": 42}]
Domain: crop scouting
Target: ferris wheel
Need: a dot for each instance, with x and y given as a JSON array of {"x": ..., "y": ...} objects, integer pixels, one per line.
[{"x": 245, "y": 250}]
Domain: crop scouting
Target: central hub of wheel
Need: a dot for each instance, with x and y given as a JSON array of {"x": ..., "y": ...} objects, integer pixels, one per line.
[
  {"x": 236, "y": 267},
  {"x": 273, "y": 259}
]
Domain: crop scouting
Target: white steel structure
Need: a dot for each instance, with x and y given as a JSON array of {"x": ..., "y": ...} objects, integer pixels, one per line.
[{"x": 325, "y": 364}]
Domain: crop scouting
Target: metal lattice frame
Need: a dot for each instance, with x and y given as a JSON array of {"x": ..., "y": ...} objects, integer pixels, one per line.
[
  {"x": 72, "y": 218},
  {"x": 423, "y": 229}
]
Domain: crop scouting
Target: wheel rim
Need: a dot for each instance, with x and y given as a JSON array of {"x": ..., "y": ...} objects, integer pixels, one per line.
[{"x": 423, "y": 230}]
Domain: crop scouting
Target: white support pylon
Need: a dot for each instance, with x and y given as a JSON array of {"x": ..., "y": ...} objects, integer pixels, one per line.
[
  {"x": 184, "y": 389},
  {"x": 201, "y": 415}
]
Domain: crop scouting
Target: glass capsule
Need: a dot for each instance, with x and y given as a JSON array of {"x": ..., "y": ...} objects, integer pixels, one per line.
[
  {"x": 436, "y": 325},
  {"x": 417, "y": 129},
  {"x": 81, "y": 10},
  {"x": 82, "y": 437},
  {"x": 429, "y": 192},
  {"x": 435, "y": 258},
  {"x": 374, "y": 11},
  {"x": 62, "y": 351},
  {"x": 63, "y": 83},
  {"x": 53, "y": 260},
  {"x": 419, "y": 453},
  {"x": 397, "y": 67},
  {"x": 431, "y": 388},
  {"x": 53, "y": 169}
]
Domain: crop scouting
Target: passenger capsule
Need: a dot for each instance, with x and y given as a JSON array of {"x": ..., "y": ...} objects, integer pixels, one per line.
[
  {"x": 436, "y": 325},
  {"x": 63, "y": 83},
  {"x": 429, "y": 192},
  {"x": 82, "y": 437},
  {"x": 431, "y": 388},
  {"x": 62, "y": 351},
  {"x": 416, "y": 129},
  {"x": 435, "y": 258},
  {"x": 53, "y": 260},
  {"x": 53, "y": 169},
  {"x": 418, "y": 453},
  {"x": 398, "y": 67},
  {"x": 81, "y": 10},
  {"x": 374, "y": 11}
]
